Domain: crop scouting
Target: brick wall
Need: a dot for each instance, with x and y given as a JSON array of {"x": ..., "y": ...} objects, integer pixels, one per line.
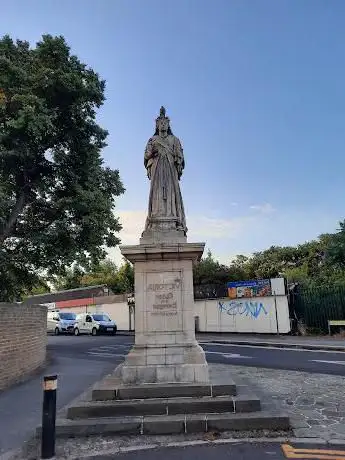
[{"x": 23, "y": 339}]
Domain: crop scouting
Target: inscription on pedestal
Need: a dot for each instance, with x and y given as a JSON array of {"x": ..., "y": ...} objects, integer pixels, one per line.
[
  {"x": 163, "y": 301},
  {"x": 163, "y": 305}
]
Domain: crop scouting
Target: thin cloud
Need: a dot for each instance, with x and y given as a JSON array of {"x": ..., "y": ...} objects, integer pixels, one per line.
[
  {"x": 205, "y": 227},
  {"x": 265, "y": 208},
  {"x": 133, "y": 223},
  {"x": 261, "y": 228},
  {"x": 199, "y": 229}
]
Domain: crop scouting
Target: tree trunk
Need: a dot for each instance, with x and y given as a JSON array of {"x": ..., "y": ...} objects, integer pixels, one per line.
[{"x": 18, "y": 208}]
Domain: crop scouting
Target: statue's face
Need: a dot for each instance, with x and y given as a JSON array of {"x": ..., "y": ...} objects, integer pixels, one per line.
[{"x": 163, "y": 126}]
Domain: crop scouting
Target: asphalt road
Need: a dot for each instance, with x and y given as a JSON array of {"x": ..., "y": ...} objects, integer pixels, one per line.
[
  {"x": 81, "y": 361},
  {"x": 237, "y": 451},
  {"x": 114, "y": 349},
  {"x": 289, "y": 359}
]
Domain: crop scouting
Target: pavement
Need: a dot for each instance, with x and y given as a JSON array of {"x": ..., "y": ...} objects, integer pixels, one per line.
[
  {"x": 313, "y": 401},
  {"x": 21, "y": 405},
  {"x": 306, "y": 383}
]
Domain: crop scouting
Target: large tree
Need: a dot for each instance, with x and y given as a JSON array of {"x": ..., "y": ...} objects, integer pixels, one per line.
[{"x": 56, "y": 195}]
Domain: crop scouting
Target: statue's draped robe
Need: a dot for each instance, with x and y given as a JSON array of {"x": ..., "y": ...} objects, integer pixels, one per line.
[{"x": 164, "y": 170}]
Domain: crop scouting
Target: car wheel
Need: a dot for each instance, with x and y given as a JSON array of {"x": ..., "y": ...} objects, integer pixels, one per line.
[
  {"x": 56, "y": 331},
  {"x": 76, "y": 331},
  {"x": 115, "y": 330},
  {"x": 94, "y": 331}
]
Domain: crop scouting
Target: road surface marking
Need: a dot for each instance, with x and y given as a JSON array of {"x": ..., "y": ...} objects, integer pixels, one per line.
[
  {"x": 342, "y": 363},
  {"x": 105, "y": 354},
  {"x": 318, "y": 454},
  {"x": 270, "y": 348},
  {"x": 227, "y": 355},
  {"x": 112, "y": 347}
]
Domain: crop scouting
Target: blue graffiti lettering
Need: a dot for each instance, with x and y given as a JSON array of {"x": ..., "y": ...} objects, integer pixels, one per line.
[{"x": 251, "y": 309}]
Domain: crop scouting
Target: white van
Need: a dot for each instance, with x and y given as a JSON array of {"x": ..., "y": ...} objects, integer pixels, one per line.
[
  {"x": 60, "y": 322},
  {"x": 94, "y": 324}
]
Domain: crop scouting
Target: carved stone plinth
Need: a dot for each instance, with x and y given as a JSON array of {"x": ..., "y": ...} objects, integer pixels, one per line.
[
  {"x": 161, "y": 230},
  {"x": 165, "y": 347}
]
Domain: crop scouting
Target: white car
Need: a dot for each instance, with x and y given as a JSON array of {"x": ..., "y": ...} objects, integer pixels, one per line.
[
  {"x": 94, "y": 324},
  {"x": 61, "y": 322}
]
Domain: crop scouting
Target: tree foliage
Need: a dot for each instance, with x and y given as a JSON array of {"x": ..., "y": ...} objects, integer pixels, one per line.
[
  {"x": 119, "y": 280},
  {"x": 56, "y": 196},
  {"x": 315, "y": 263},
  {"x": 210, "y": 271}
]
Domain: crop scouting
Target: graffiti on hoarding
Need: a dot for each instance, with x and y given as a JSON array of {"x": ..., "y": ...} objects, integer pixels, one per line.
[{"x": 251, "y": 309}]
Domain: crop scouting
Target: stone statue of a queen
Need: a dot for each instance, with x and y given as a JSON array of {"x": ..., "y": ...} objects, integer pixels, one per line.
[{"x": 164, "y": 163}]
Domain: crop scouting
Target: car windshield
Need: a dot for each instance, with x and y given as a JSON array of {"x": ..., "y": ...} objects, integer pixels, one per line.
[
  {"x": 101, "y": 318},
  {"x": 67, "y": 315}
]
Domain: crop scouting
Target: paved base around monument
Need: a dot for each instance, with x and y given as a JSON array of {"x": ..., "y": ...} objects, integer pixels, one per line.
[
  {"x": 164, "y": 409},
  {"x": 306, "y": 398}
]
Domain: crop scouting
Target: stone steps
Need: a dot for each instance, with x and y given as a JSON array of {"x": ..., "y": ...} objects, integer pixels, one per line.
[
  {"x": 110, "y": 389},
  {"x": 112, "y": 408},
  {"x": 169, "y": 406},
  {"x": 172, "y": 424}
]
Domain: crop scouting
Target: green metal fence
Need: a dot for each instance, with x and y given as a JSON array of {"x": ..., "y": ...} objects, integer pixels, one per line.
[{"x": 315, "y": 306}]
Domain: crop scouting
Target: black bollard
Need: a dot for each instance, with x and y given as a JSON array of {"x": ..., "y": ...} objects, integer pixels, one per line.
[{"x": 48, "y": 416}]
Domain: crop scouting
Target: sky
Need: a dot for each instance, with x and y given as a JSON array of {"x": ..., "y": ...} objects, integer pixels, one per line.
[{"x": 255, "y": 90}]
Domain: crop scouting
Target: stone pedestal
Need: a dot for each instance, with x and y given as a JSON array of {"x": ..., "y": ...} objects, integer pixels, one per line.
[
  {"x": 160, "y": 231},
  {"x": 165, "y": 347}
]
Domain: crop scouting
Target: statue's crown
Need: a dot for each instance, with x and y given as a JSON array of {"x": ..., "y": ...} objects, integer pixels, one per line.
[{"x": 162, "y": 114}]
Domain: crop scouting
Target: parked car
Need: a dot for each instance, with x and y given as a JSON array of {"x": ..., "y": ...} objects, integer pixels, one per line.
[
  {"x": 61, "y": 322},
  {"x": 94, "y": 324}
]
